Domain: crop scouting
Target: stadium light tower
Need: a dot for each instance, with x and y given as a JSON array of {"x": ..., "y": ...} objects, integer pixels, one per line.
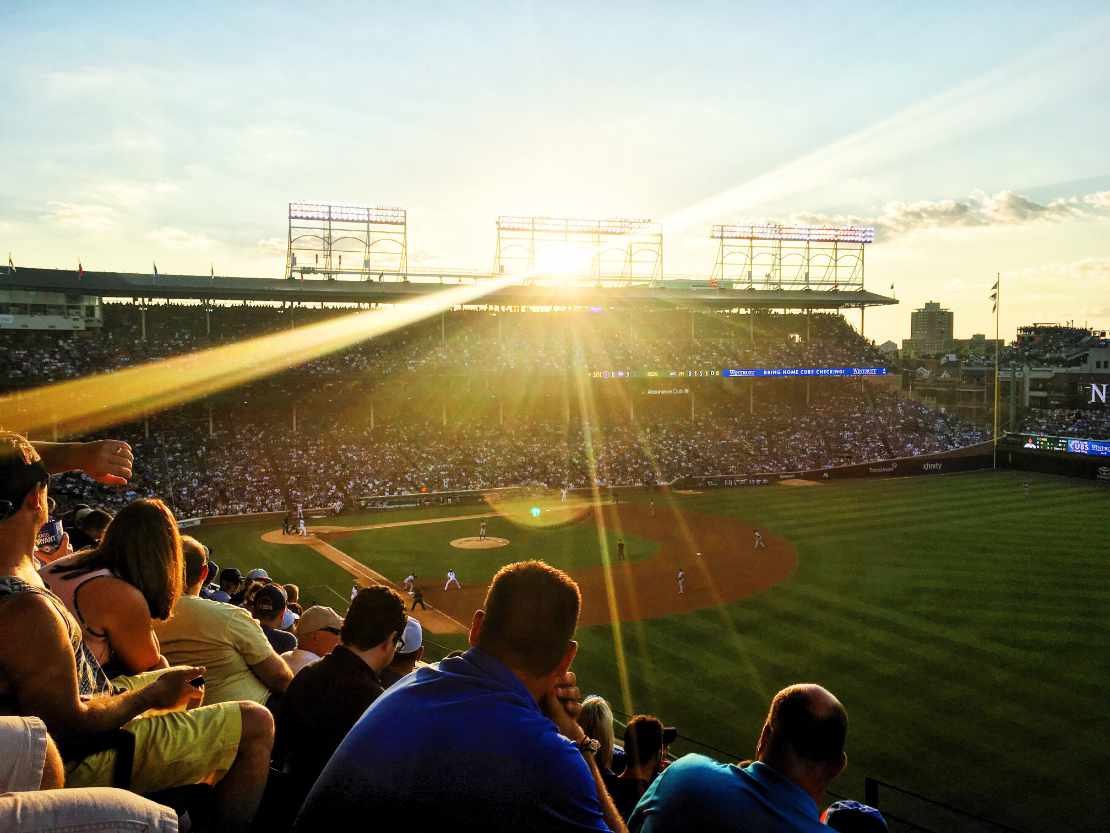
[
  {"x": 615, "y": 249},
  {"x": 373, "y": 240},
  {"x": 770, "y": 256}
]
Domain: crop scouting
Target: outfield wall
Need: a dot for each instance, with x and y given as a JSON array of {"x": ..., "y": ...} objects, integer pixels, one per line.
[
  {"x": 969, "y": 458},
  {"x": 1069, "y": 465}
]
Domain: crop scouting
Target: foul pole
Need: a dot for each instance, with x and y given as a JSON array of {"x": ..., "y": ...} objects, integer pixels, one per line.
[{"x": 996, "y": 297}]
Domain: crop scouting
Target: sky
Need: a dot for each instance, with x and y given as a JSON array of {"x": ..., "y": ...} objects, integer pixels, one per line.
[{"x": 974, "y": 139}]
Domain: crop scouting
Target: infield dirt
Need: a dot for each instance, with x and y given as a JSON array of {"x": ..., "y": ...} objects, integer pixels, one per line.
[{"x": 714, "y": 551}]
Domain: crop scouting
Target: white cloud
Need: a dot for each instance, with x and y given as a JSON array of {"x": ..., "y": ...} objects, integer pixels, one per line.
[
  {"x": 81, "y": 216},
  {"x": 273, "y": 245},
  {"x": 80, "y": 81},
  {"x": 132, "y": 194},
  {"x": 179, "y": 239},
  {"x": 976, "y": 211}
]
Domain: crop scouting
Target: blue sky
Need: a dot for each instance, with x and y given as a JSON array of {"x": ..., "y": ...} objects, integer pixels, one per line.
[{"x": 975, "y": 138}]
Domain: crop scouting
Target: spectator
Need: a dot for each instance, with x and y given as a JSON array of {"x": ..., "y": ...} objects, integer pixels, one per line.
[
  {"x": 51, "y": 674},
  {"x": 241, "y": 663},
  {"x": 596, "y": 720},
  {"x": 211, "y": 590},
  {"x": 268, "y": 604},
  {"x": 799, "y": 753},
  {"x": 405, "y": 661},
  {"x": 116, "y": 590},
  {"x": 231, "y": 580},
  {"x": 318, "y": 633},
  {"x": 327, "y": 697},
  {"x": 645, "y": 746},
  {"x": 88, "y": 527},
  {"x": 853, "y": 817},
  {"x": 465, "y": 744},
  {"x": 30, "y": 775}
]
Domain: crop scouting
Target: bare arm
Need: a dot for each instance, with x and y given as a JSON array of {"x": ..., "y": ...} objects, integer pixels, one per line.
[
  {"x": 43, "y": 676},
  {"x": 274, "y": 673},
  {"x": 107, "y": 461},
  {"x": 608, "y": 808},
  {"x": 115, "y": 607},
  {"x": 562, "y": 706}
]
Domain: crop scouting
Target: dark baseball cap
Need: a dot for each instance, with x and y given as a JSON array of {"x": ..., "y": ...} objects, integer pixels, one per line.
[
  {"x": 231, "y": 574},
  {"x": 853, "y": 817},
  {"x": 269, "y": 599},
  {"x": 21, "y": 469}
]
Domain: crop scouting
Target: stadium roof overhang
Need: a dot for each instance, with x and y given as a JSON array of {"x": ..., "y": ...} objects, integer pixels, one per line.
[{"x": 392, "y": 289}]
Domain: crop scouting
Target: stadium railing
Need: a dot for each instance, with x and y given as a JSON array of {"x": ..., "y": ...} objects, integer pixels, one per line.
[{"x": 929, "y": 815}]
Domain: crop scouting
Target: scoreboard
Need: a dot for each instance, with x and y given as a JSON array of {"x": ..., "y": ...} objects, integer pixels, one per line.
[
  {"x": 742, "y": 373},
  {"x": 1066, "y": 445}
]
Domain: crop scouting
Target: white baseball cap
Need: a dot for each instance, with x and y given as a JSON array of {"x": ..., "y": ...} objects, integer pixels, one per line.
[{"x": 413, "y": 635}]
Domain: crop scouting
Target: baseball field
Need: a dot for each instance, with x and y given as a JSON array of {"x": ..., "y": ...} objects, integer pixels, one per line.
[{"x": 963, "y": 620}]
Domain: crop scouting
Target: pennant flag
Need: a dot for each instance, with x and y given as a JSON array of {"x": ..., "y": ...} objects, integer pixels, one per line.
[
  {"x": 212, "y": 270},
  {"x": 994, "y": 297},
  {"x": 11, "y": 266},
  {"x": 155, "y": 270},
  {"x": 80, "y": 271}
]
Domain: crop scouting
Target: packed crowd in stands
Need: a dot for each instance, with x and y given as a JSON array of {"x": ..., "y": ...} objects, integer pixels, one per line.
[
  {"x": 143, "y": 688},
  {"x": 1042, "y": 345},
  {"x": 266, "y": 467},
  {"x": 1089, "y": 424},
  {"x": 469, "y": 342}
]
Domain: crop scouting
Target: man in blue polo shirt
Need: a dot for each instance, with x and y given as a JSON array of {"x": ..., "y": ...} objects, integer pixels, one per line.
[
  {"x": 800, "y": 752},
  {"x": 484, "y": 741}
]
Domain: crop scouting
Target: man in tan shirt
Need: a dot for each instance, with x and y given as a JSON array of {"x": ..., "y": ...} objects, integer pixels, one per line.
[{"x": 223, "y": 638}]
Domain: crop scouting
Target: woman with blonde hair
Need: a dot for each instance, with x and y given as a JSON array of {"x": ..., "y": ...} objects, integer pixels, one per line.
[
  {"x": 596, "y": 720},
  {"x": 135, "y": 575}
]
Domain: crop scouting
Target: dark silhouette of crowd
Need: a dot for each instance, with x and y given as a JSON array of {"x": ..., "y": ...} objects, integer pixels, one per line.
[
  {"x": 265, "y": 466},
  {"x": 1086, "y": 424},
  {"x": 465, "y": 342}
]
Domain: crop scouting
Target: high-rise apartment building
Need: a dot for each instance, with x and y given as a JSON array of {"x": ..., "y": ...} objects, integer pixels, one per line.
[{"x": 931, "y": 329}]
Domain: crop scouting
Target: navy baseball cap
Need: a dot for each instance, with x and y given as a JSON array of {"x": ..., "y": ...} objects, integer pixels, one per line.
[
  {"x": 268, "y": 599},
  {"x": 853, "y": 817}
]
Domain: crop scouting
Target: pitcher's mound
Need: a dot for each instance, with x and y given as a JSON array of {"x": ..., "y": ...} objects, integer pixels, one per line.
[{"x": 479, "y": 543}]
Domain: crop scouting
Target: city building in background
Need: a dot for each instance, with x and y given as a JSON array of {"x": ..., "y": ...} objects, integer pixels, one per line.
[{"x": 930, "y": 330}]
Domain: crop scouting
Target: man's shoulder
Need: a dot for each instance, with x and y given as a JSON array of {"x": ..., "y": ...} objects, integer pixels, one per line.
[
  {"x": 25, "y": 603},
  {"x": 699, "y": 770}
]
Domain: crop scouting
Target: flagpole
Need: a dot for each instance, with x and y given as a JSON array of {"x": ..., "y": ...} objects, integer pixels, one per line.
[{"x": 997, "y": 305}]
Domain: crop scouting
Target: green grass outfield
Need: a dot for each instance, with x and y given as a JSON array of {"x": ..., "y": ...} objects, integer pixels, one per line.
[{"x": 965, "y": 625}]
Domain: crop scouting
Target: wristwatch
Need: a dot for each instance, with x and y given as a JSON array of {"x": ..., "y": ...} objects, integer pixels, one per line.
[{"x": 588, "y": 746}]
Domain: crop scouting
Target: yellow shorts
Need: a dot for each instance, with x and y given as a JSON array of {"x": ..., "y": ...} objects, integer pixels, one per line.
[{"x": 171, "y": 750}]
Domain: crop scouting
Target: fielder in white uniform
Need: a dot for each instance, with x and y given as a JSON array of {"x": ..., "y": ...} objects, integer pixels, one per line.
[
  {"x": 681, "y": 577},
  {"x": 409, "y": 583},
  {"x": 452, "y": 579},
  {"x": 757, "y": 541},
  {"x": 302, "y": 530},
  {"x": 482, "y": 531}
]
